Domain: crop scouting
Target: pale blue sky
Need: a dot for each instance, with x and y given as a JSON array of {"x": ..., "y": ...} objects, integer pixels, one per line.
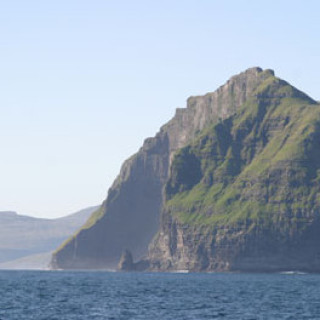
[{"x": 83, "y": 83}]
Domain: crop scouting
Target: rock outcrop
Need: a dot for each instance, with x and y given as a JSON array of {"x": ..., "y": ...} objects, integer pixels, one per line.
[
  {"x": 126, "y": 262},
  {"x": 129, "y": 217}
]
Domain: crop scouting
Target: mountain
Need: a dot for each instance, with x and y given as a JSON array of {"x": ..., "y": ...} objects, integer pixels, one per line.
[
  {"x": 244, "y": 195},
  {"x": 231, "y": 183},
  {"x": 129, "y": 218},
  {"x": 25, "y": 240}
]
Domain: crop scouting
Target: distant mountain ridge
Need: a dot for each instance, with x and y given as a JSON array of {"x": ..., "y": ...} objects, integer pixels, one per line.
[{"x": 22, "y": 236}]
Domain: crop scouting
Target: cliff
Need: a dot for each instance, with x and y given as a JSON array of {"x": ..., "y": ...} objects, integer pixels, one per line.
[
  {"x": 130, "y": 216},
  {"x": 244, "y": 194}
]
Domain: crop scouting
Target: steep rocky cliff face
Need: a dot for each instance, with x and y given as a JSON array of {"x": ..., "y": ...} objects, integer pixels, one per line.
[
  {"x": 129, "y": 217},
  {"x": 244, "y": 195}
]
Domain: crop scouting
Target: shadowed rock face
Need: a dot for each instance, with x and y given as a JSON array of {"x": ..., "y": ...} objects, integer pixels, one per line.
[
  {"x": 245, "y": 248},
  {"x": 131, "y": 213}
]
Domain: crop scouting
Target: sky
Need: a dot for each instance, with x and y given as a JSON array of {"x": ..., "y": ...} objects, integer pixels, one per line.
[{"x": 83, "y": 83}]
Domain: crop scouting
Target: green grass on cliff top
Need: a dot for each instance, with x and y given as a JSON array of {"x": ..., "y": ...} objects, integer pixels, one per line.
[{"x": 296, "y": 120}]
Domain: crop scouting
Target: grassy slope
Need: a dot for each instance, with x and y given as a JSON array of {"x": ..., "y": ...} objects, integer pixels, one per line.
[{"x": 259, "y": 162}]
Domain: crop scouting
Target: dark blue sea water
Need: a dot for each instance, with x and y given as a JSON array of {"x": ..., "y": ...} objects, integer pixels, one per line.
[{"x": 44, "y": 295}]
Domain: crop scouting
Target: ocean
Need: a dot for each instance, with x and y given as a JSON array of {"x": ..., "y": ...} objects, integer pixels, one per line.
[{"x": 60, "y": 295}]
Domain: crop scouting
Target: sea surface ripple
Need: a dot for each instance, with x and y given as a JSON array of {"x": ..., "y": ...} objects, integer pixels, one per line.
[{"x": 54, "y": 295}]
